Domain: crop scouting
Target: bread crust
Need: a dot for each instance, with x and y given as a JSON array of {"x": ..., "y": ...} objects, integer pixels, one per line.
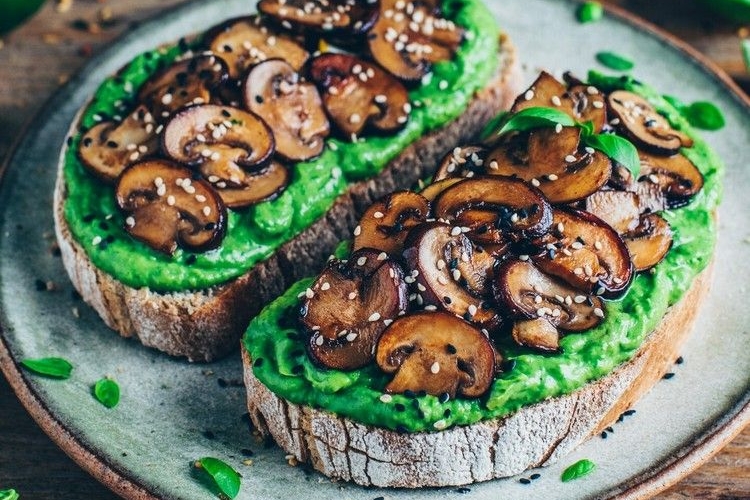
[
  {"x": 206, "y": 324},
  {"x": 534, "y": 436}
]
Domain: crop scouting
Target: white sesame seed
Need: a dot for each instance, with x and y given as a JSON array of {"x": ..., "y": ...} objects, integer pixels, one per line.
[
  {"x": 352, "y": 295},
  {"x": 171, "y": 200},
  {"x": 535, "y": 182},
  {"x": 166, "y": 99},
  {"x": 435, "y": 368},
  {"x": 579, "y": 299},
  {"x": 374, "y": 317},
  {"x": 570, "y": 159},
  {"x": 319, "y": 340},
  {"x": 357, "y": 231},
  {"x": 378, "y": 215},
  {"x": 382, "y": 256},
  {"x": 558, "y": 128},
  {"x": 472, "y": 309},
  {"x": 381, "y": 99},
  {"x": 96, "y": 240},
  {"x": 309, "y": 293},
  {"x": 455, "y": 231},
  {"x": 456, "y": 274},
  {"x": 529, "y": 95},
  {"x": 355, "y": 118},
  {"x": 443, "y": 84},
  {"x": 387, "y": 322},
  {"x": 576, "y": 245},
  {"x": 523, "y": 257},
  {"x": 578, "y": 270},
  {"x": 598, "y": 104},
  {"x": 592, "y": 90},
  {"x": 361, "y": 261},
  {"x": 430, "y": 307},
  {"x": 440, "y": 425},
  {"x": 325, "y": 286},
  {"x": 421, "y": 287},
  {"x": 556, "y": 100},
  {"x": 351, "y": 337},
  {"x": 552, "y": 177},
  {"x": 598, "y": 245},
  {"x": 598, "y": 312},
  {"x": 386, "y": 398},
  {"x": 130, "y": 221}
]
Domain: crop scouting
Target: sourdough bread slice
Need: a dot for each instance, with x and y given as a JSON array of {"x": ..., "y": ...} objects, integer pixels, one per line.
[
  {"x": 534, "y": 436},
  {"x": 206, "y": 324}
]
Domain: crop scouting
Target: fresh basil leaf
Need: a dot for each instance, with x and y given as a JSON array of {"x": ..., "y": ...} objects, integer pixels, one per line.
[
  {"x": 536, "y": 117},
  {"x": 49, "y": 367},
  {"x": 704, "y": 115},
  {"x": 578, "y": 469},
  {"x": 224, "y": 477},
  {"x": 614, "y": 61},
  {"x": 590, "y": 12},
  {"x": 8, "y": 495},
  {"x": 587, "y": 128},
  {"x": 617, "y": 148},
  {"x": 107, "y": 392},
  {"x": 745, "y": 46}
]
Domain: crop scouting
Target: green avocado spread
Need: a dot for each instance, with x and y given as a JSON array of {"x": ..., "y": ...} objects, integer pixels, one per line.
[
  {"x": 254, "y": 234},
  {"x": 282, "y": 364}
]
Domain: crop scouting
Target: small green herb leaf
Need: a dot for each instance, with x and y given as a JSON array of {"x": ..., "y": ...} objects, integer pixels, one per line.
[
  {"x": 107, "y": 392},
  {"x": 704, "y": 115},
  {"x": 225, "y": 478},
  {"x": 745, "y": 46},
  {"x": 49, "y": 367},
  {"x": 590, "y": 12},
  {"x": 674, "y": 101},
  {"x": 614, "y": 61},
  {"x": 578, "y": 469},
  {"x": 617, "y": 148},
  {"x": 493, "y": 125},
  {"x": 8, "y": 495},
  {"x": 536, "y": 117}
]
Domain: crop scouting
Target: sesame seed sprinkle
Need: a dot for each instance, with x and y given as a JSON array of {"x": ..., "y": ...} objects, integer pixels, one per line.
[
  {"x": 386, "y": 398},
  {"x": 435, "y": 368},
  {"x": 374, "y": 317},
  {"x": 361, "y": 261},
  {"x": 598, "y": 312}
]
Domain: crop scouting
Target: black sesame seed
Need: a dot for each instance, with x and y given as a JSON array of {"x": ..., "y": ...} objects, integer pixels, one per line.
[
  {"x": 69, "y": 140},
  {"x": 258, "y": 362},
  {"x": 88, "y": 217},
  {"x": 87, "y": 141},
  {"x": 190, "y": 259},
  {"x": 667, "y": 376},
  {"x": 112, "y": 144},
  {"x": 444, "y": 397},
  {"x": 627, "y": 413},
  {"x": 447, "y": 413},
  {"x": 524, "y": 480},
  {"x": 103, "y": 245},
  {"x": 247, "y": 452},
  {"x": 447, "y": 299},
  {"x": 226, "y": 113},
  {"x": 415, "y": 403},
  {"x": 535, "y": 476},
  {"x": 409, "y": 393},
  {"x": 109, "y": 239},
  {"x": 401, "y": 429},
  {"x": 104, "y": 226},
  {"x": 379, "y": 498},
  {"x": 399, "y": 407},
  {"x": 679, "y": 360},
  {"x": 451, "y": 349},
  {"x": 580, "y": 240},
  {"x": 222, "y": 383},
  {"x": 463, "y": 490},
  {"x": 610, "y": 429},
  {"x": 182, "y": 44},
  {"x": 508, "y": 365},
  {"x": 209, "y": 434},
  {"x": 210, "y": 226},
  {"x": 259, "y": 99},
  {"x": 421, "y": 394},
  {"x": 604, "y": 434}
]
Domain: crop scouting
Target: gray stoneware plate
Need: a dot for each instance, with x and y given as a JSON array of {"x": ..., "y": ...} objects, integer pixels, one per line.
[{"x": 172, "y": 412}]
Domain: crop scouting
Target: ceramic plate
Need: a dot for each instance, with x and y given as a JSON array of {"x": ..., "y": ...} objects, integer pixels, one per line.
[{"x": 173, "y": 412}]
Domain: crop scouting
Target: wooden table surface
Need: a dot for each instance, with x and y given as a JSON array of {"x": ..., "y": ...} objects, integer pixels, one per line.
[{"x": 40, "y": 56}]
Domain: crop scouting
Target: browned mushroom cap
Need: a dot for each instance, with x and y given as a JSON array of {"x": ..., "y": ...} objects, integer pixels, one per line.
[
  {"x": 249, "y": 187},
  {"x": 587, "y": 253},
  {"x": 406, "y": 52},
  {"x": 386, "y": 223},
  {"x": 167, "y": 208},
  {"x": 649, "y": 243},
  {"x": 442, "y": 265},
  {"x": 108, "y": 147},
  {"x": 433, "y": 190},
  {"x": 436, "y": 353},
  {"x": 528, "y": 293},
  {"x": 293, "y": 109},
  {"x": 189, "y": 81},
  {"x": 339, "y": 16},
  {"x": 555, "y": 162},
  {"x": 358, "y": 93},
  {"x": 620, "y": 209},
  {"x": 582, "y": 102},
  {"x": 464, "y": 161},
  {"x": 495, "y": 209},
  {"x": 245, "y": 41},
  {"x": 536, "y": 333},
  {"x": 349, "y": 306},
  {"x": 676, "y": 176},
  {"x": 639, "y": 121}
]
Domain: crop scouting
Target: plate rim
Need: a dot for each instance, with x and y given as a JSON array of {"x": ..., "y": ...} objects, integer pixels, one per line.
[{"x": 658, "y": 478}]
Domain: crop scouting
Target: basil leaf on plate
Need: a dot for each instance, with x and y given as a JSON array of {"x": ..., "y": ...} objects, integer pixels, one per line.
[
  {"x": 107, "y": 392},
  {"x": 536, "y": 117},
  {"x": 703, "y": 115},
  {"x": 49, "y": 367},
  {"x": 614, "y": 61},
  {"x": 590, "y": 12},
  {"x": 578, "y": 469},
  {"x": 225, "y": 477},
  {"x": 617, "y": 148},
  {"x": 8, "y": 494}
]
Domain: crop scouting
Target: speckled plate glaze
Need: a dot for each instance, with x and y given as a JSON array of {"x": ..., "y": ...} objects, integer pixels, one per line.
[{"x": 172, "y": 412}]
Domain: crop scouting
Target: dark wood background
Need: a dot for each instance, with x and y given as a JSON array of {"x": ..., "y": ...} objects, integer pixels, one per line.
[{"x": 40, "y": 56}]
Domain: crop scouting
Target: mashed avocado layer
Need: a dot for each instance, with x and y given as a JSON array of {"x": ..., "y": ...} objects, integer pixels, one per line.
[
  {"x": 281, "y": 363},
  {"x": 255, "y": 233}
]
